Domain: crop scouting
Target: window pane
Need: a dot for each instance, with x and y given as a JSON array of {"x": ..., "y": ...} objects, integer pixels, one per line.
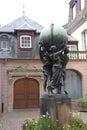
[
  {"x": 84, "y": 39},
  {"x": 82, "y": 4},
  {"x": 4, "y": 44},
  {"x": 74, "y": 11},
  {"x": 72, "y": 47},
  {"x": 25, "y": 41}
]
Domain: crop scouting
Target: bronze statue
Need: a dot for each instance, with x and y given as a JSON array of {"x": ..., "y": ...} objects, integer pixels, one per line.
[{"x": 53, "y": 54}]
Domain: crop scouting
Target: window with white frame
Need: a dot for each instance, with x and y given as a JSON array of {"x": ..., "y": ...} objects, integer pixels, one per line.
[
  {"x": 25, "y": 41},
  {"x": 84, "y": 39},
  {"x": 82, "y": 4},
  {"x": 74, "y": 11}
]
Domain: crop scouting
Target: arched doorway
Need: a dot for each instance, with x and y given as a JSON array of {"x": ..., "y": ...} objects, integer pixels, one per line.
[
  {"x": 73, "y": 84},
  {"x": 26, "y": 93}
]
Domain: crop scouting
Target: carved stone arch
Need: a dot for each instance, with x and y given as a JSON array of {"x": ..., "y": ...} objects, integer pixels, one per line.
[
  {"x": 16, "y": 74},
  {"x": 77, "y": 71},
  {"x": 4, "y": 35}
]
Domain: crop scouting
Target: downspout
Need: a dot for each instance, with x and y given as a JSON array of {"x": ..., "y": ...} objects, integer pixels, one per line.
[{"x": 2, "y": 83}]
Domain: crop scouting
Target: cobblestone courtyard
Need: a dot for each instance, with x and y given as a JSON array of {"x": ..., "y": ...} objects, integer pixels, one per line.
[{"x": 14, "y": 120}]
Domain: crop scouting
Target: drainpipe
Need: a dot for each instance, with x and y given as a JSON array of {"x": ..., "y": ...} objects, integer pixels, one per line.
[{"x": 2, "y": 83}]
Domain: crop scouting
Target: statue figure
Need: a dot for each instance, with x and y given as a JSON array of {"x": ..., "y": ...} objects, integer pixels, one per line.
[
  {"x": 59, "y": 60},
  {"x": 47, "y": 65},
  {"x": 53, "y": 54}
]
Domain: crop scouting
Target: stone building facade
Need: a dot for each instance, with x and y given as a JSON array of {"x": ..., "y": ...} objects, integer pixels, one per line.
[{"x": 21, "y": 76}]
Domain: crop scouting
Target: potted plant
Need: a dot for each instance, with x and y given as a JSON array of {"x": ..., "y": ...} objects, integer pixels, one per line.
[{"x": 82, "y": 103}]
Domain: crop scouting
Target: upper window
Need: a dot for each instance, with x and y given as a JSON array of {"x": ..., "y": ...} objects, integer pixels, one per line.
[
  {"x": 74, "y": 11},
  {"x": 82, "y": 4},
  {"x": 4, "y": 45},
  {"x": 4, "y": 42},
  {"x": 72, "y": 47},
  {"x": 84, "y": 39},
  {"x": 25, "y": 41}
]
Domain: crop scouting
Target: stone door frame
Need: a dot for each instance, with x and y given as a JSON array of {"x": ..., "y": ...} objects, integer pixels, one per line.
[{"x": 18, "y": 73}]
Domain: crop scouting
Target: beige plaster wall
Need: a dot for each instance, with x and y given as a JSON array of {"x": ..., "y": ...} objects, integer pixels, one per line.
[{"x": 77, "y": 34}]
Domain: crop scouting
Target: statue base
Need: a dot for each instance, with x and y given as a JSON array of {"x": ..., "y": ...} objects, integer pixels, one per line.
[{"x": 58, "y": 106}]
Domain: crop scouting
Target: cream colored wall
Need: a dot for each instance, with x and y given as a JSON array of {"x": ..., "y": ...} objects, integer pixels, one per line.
[{"x": 77, "y": 34}]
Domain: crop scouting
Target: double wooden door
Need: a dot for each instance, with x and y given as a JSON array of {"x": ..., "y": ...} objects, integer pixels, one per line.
[{"x": 26, "y": 93}]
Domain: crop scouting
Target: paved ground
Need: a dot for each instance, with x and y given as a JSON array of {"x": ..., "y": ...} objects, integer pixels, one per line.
[
  {"x": 14, "y": 120},
  {"x": 84, "y": 116}
]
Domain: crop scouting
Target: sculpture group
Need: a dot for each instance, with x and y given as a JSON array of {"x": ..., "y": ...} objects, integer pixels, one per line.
[{"x": 53, "y": 54}]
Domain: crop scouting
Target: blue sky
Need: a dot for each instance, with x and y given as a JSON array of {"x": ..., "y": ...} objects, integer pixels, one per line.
[{"x": 44, "y": 12}]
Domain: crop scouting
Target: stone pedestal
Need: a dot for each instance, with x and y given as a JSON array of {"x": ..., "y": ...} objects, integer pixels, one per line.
[{"x": 58, "y": 106}]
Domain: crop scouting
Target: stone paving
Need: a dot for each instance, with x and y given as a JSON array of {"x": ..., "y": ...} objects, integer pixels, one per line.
[
  {"x": 84, "y": 116},
  {"x": 14, "y": 120}
]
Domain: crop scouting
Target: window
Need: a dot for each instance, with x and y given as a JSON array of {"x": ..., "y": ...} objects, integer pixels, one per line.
[
  {"x": 82, "y": 4},
  {"x": 25, "y": 41},
  {"x": 84, "y": 39},
  {"x": 74, "y": 11},
  {"x": 4, "y": 45},
  {"x": 72, "y": 47}
]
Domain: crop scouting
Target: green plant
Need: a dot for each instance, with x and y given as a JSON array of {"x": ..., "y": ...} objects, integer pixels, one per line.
[
  {"x": 67, "y": 127},
  {"x": 82, "y": 101},
  {"x": 76, "y": 124},
  {"x": 44, "y": 123},
  {"x": 31, "y": 125},
  {"x": 56, "y": 126}
]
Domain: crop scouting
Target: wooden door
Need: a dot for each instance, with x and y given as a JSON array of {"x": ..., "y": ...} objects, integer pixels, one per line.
[
  {"x": 26, "y": 93},
  {"x": 73, "y": 84}
]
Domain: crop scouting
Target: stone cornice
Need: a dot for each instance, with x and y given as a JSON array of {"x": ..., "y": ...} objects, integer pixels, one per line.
[{"x": 26, "y": 68}]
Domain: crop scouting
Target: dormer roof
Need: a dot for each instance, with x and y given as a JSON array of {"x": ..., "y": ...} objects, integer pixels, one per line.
[{"x": 22, "y": 23}]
